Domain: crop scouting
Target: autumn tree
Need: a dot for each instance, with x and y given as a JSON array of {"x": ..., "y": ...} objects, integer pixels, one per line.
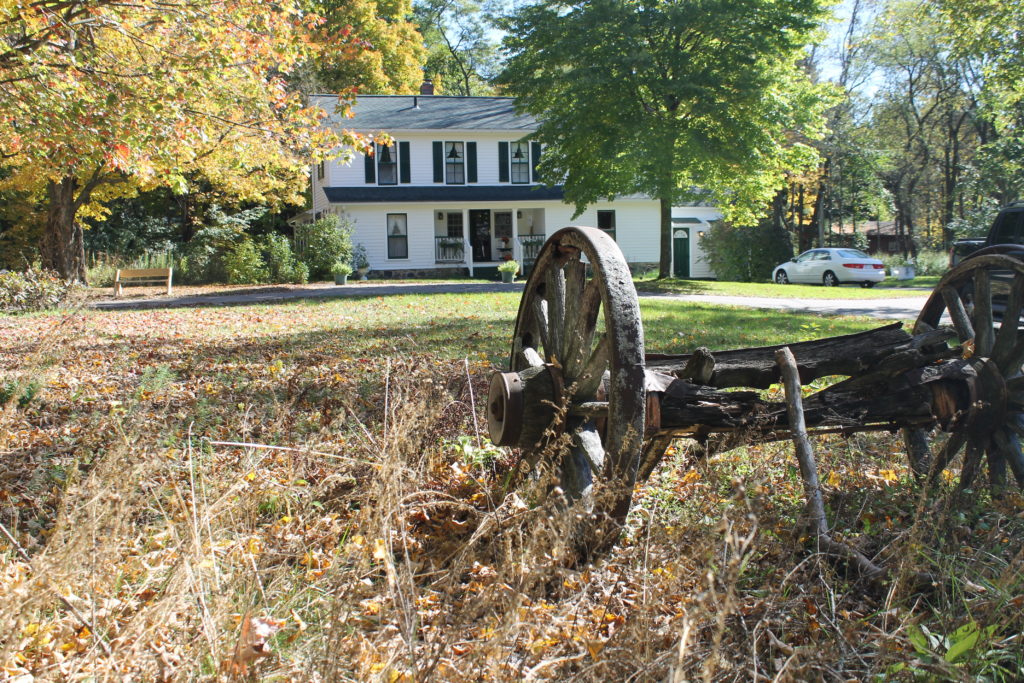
[
  {"x": 674, "y": 100},
  {"x": 369, "y": 46},
  {"x": 100, "y": 99}
]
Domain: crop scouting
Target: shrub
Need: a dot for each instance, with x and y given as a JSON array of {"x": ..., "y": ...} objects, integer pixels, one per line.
[
  {"x": 745, "y": 253},
  {"x": 323, "y": 242},
  {"x": 32, "y": 290},
  {"x": 509, "y": 266},
  {"x": 282, "y": 265},
  {"x": 243, "y": 264},
  {"x": 925, "y": 263},
  {"x": 341, "y": 268},
  {"x": 203, "y": 257}
]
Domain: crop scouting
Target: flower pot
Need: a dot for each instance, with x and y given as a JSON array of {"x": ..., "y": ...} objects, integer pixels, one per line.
[
  {"x": 341, "y": 279},
  {"x": 361, "y": 272},
  {"x": 507, "y": 276}
]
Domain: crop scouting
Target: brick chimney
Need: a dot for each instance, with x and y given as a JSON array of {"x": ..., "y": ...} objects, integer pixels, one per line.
[{"x": 427, "y": 88}]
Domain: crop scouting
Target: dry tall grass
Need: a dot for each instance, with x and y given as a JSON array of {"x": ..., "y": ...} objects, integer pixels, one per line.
[{"x": 366, "y": 515}]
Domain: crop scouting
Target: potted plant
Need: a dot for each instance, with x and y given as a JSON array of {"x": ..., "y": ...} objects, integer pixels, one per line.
[
  {"x": 508, "y": 270},
  {"x": 360, "y": 263},
  {"x": 341, "y": 271}
]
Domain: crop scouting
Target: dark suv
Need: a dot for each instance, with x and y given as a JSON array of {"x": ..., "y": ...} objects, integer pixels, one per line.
[{"x": 1007, "y": 229}]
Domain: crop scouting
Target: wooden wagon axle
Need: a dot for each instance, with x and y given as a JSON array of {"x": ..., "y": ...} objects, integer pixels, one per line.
[{"x": 893, "y": 381}]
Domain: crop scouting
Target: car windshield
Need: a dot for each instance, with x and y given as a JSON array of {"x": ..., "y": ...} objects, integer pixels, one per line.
[{"x": 852, "y": 253}]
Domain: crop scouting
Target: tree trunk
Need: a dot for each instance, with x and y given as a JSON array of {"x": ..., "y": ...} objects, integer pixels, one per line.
[
  {"x": 665, "y": 264},
  {"x": 63, "y": 248}
]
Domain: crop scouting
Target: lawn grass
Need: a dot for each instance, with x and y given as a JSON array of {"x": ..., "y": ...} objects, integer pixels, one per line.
[
  {"x": 890, "y": 289},
  {"x": 376, "y": 542}
]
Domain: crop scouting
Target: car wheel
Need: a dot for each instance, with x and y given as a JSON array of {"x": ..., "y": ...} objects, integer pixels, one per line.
[
  {"x": 781, "y": 278},
  {"x": 867, "y": 285},
  {"x": 830, "y": 279}
]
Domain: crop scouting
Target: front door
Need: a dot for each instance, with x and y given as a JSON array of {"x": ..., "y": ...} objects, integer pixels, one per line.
[
  {"x": 480, "y": 234},
  {"x": 681, "y": 253}
]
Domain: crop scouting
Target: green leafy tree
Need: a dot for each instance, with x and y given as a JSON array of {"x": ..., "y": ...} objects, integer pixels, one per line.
[
  {"x": 674, "y": 100},
  {"x": 461, "y": 57}
]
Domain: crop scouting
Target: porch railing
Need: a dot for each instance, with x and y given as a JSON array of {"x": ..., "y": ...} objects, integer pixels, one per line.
[
  {"x": 529, "y": 246},
  {"x": 449, "y": 250}
]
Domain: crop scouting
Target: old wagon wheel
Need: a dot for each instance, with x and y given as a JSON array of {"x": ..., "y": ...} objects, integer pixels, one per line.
[
  {"x": 982, "y": 298},
  {"x": 577, "y": 369}
]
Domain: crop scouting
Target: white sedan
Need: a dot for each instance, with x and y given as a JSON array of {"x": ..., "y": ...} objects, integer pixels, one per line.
[{"x": 831, "y": 267}]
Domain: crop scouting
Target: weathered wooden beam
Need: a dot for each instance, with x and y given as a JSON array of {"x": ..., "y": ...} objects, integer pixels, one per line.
[{"x": 848, "y": 354}]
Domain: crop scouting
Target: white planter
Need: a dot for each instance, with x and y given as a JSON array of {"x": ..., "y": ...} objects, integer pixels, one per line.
[{"x": 904, "y": 272}]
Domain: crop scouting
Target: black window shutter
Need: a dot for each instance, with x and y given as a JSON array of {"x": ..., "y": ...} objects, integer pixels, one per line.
[
  {"x": 369, "y": 164},
  {"x": 502, "y": 162},
  {"x": 438, "y": 162},
  {"x": 470, "y": 162},
  {"x": 404, "y": 171},
  {"x": 535, "y": 154}
]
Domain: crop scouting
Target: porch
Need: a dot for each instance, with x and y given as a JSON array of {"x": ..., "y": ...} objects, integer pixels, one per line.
[{"x": 482, "y": 239}]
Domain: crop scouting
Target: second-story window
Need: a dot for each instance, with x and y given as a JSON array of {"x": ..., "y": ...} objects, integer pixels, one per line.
[
  {"x": 387, "y": 165},
  {"x": 320, "y": 171},
  {"x": 519, "y": 158},
  {"x": 454, "y": 163}
]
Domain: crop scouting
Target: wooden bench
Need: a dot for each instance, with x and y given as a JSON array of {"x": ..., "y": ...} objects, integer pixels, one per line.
[{"x": 142, "y": 276}]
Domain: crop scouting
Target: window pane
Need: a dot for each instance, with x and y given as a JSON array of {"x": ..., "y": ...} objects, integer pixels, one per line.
[
  {"x": 455, "y": 225},
  {"x": 398, "y": 240},
  {"x": 387, "y": 165},
  {"x": 519, "y": 154},
  {"x": 454, "y": 163},
  {"x": 398, "y": 247}
]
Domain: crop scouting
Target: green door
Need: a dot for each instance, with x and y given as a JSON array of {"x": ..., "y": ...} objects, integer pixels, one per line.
[{"x": 681, "y": 253}]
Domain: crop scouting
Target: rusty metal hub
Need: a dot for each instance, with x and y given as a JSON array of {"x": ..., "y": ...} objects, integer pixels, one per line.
[{"x": 505, "y": 408}]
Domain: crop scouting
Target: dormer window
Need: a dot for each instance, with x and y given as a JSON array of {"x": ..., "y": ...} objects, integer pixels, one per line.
[{"x": 454, "y": 163}]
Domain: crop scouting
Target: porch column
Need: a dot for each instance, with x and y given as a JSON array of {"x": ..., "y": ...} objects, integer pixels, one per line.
[
  {"x": 517, "y": 249},
  {"x": 467, "y": 248}
]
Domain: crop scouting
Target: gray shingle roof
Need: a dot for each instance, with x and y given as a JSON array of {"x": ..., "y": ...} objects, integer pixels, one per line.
[{"x": 428, "y": 112}]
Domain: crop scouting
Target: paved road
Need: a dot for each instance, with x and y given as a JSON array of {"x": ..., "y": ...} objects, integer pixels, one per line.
[
  {"x": 896, "y": 308},
  {"x": 889, "y": 309}
]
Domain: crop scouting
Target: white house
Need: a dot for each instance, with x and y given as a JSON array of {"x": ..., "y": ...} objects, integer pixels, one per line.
[{"x": 458, "y": 192}]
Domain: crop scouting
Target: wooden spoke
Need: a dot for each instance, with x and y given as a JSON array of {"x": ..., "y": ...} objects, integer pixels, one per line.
[
  {"x": 593, "y": 372},
  {"x": 575, "y": 279},
  {"x": 581, "y": 330},
  {"x": 958, "y": 314},
  {"x": 1006, "y": 339},
  {"x": 972, "y": 458},
  {"x": 554, "y": 294},
  {"x": 590, "y": 445},
  {"x": 1011, "y": 365},
  {"x": 1009, "y": 444},
  {"x": 996, "y": 470},
  {"x": 531, "y": 358},
  {"x": 948, "y": 452},
  {"x": 654, "y": 451},
  {"x": 540, "y": 315},
  {"x": 983, "y": 324}
]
